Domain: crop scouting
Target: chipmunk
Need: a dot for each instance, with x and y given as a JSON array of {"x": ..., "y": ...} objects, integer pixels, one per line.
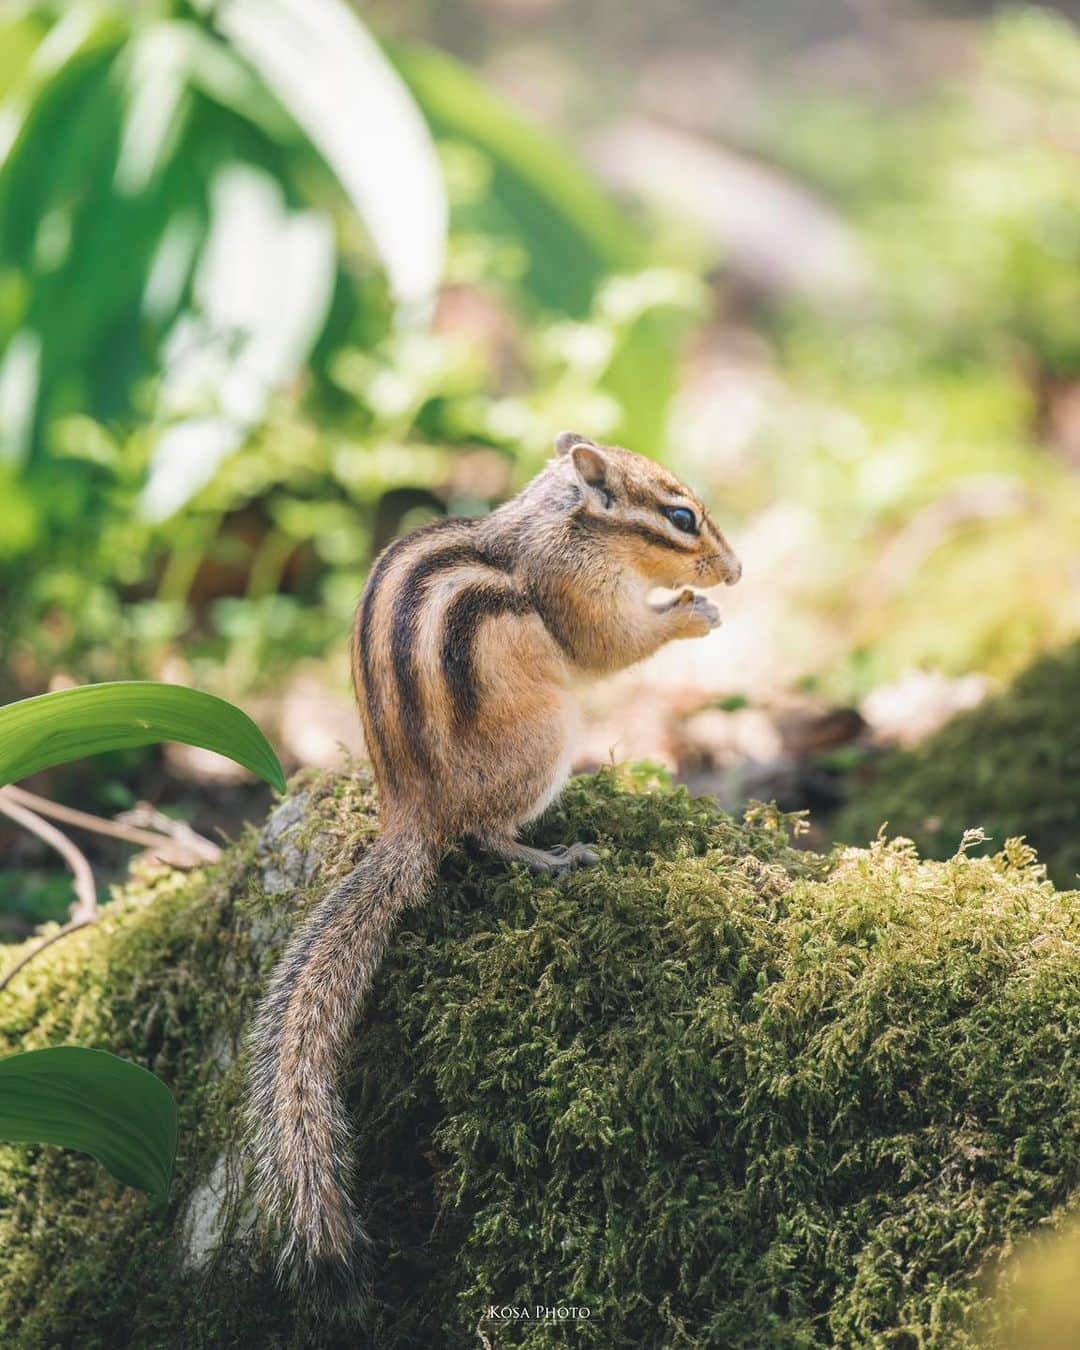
[{"x": 468, "y": 639}]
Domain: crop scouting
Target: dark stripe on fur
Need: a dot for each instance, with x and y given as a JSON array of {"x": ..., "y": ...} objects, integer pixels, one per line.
[
  {"x": 464, "y": 615},
  {"x": 609, "y": 525},
  {"x": 363, "y": 640},
  {"x": 371, "y": 693},
  {"x": 640, "y": 496},
  {"x": 411, "y": 598},
  {"x": 549, "y": 617}
]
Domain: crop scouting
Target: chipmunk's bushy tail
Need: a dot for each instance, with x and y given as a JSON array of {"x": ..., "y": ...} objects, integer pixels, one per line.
[{"x": 297, "y": 1120}]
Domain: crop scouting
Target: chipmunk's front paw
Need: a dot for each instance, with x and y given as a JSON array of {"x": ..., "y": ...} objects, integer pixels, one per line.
[{"x": 697, "y": 615}]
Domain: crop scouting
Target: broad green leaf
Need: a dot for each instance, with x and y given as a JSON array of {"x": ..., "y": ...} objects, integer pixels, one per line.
[
  {"x": 20, "y": 33},
  {"x": 359, "y": 115},
  {"x": 72, "y": 723},
  {"x": 539, "y": 196},
  {"x": 649, "y": 314},
  {"x": 644, "y": 377},
  {"x": 114, "y": 140},
  {"x": 89, "y": 1100}
]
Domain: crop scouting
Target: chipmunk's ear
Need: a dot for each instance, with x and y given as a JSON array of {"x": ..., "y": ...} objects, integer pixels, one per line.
[
  {"x": 590, "y": 463},
  {"x": 566, "y": 440},
  {"x": 592, "y": 470}
]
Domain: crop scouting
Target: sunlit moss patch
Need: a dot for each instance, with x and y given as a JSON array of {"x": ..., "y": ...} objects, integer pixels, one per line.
[
  {"x": 1011, "y": 767},
  {"x": 715, "y": 1090}
]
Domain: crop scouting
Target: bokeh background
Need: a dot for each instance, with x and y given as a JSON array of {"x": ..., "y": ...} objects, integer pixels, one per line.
[{"x": 282, "y": 278}]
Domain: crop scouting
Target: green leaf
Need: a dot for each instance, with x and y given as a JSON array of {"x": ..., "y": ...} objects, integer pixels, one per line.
[
  {"x": 72, "y": 723},
  {"x": 89, "y": 1100},
  {"x": 539, "y": 196},
  {"x": 121, "y": 128},
  {"x": 360, "y": 117},
  {"x": 644, "y": 377}
]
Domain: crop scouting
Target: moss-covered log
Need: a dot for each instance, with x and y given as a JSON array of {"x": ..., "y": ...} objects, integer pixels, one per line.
[
  {"x": 718, "y": 1092},
  {"x": 1011, "y": 766}
]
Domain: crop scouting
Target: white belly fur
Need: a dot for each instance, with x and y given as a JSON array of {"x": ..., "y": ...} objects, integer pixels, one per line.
[{"x": 561, "y": 770}]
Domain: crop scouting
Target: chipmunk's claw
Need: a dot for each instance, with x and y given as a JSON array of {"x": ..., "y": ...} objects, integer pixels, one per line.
[
  {"x": 555, "y": 861},
  {"x": 707, "y": 610},
  {"x": 575, "y": 855}
]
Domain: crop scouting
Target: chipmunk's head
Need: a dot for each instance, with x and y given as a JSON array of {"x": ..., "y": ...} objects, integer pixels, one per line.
[{"x": 654, "y": 523}]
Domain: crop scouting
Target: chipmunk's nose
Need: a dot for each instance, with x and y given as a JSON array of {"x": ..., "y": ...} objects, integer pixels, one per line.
[{"x": 732, "y": 570}]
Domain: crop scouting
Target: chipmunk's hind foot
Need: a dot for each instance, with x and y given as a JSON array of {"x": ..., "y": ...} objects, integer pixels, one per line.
[
  {"x": 555, "y": 861},
  {"x": 574, "y": 855}
]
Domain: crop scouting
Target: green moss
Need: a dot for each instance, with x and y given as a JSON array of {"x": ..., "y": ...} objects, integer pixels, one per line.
[
  {"x": 718, "y": 1091},
  {"x": 1011, "y": 766}
]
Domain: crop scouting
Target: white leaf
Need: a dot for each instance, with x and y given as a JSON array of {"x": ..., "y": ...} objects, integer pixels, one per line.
[
  {"x": 263, "y": 286},
  {"x": 326, "y": 69}
]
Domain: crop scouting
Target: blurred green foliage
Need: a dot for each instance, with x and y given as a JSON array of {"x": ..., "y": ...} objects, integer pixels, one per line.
[
  {"x": 924, "y": 426},
  {"x": 260, "y": 560},
  {"x": 536, "y": 199},
  {"x": 1038, "y": 1306},
  {"x": 914, "y": 428},
  {"x": 33, "y": 897},
  {"x": 969, "y": 199}
]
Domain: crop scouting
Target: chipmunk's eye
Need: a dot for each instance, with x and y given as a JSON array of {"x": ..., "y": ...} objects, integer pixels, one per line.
[{"x": 682, "y": 518}]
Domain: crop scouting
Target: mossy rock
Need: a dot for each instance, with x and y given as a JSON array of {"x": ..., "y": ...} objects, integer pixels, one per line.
[
  {"x": 714, "y": 1090},
  {"x": 1011, "y": 766}
]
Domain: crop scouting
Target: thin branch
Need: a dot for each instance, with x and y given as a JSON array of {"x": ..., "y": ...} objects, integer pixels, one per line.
[
  {"x": 86, "y": 906},
  {"x": 85, "y": 909},
  {"x": 143, "y": 816},
  {"x": 174, "y": 841},
  {"x": 27, "y": 957}
]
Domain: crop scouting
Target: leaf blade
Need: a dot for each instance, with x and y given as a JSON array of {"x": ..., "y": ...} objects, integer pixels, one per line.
[
  {"x": 36, "y": 733},
  {"x": 94, "y": 1102},
  {"x": 392, "y": 178},
  {"x": 542, "y": 197}
]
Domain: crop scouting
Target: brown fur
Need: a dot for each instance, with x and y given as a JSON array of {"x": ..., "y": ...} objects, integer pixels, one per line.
[{"x": 467, "y": 643}]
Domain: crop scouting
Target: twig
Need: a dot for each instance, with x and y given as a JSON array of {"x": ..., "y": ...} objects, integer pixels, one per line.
[
  {"x": 178, "y": 838},
  {"x": 27, "y": 957},
  {"x": 86, "y": 905},
  {"x": 143, "y": 816},
  {"x": 85, "y": 909}
]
